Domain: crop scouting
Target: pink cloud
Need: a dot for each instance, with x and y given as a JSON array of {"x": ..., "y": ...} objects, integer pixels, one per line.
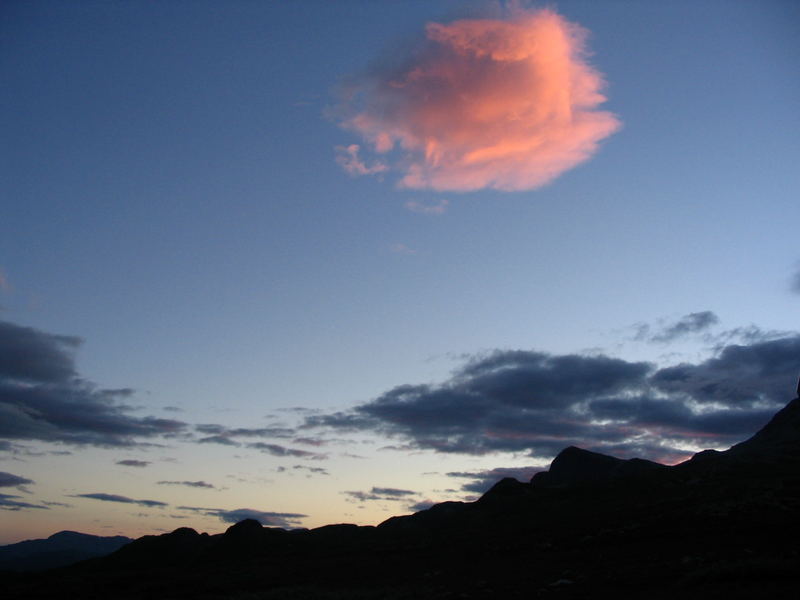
[
  {"x": 507, "y": 103},
  {"x": 347, "y": 158}
]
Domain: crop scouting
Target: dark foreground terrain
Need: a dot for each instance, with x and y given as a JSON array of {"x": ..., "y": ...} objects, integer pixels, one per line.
[
  {"x": 59, "y": 550},
  {"x": 721, "y": 525}
]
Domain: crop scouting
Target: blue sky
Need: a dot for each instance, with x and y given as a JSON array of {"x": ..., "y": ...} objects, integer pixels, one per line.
[{"x": 171, "y": 196}]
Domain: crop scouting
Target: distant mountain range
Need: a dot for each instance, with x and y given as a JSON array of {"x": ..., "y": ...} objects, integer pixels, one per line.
[
  {"x": 59, "y": 550},
  {"x": 720, "y": 525}
]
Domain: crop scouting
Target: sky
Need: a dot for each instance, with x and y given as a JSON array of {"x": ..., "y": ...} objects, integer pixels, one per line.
[{"x": 320, "y": 262}]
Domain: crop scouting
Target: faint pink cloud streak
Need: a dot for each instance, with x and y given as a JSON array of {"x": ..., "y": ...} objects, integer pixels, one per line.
[
  {"x": 428, "y": 208},
  {"x": 508, "y": 104}
]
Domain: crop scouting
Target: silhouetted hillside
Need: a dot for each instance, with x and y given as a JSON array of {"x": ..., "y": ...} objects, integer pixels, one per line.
[
  {"x": 60, "y": 549},
  {"x": 721, "y": 525}
]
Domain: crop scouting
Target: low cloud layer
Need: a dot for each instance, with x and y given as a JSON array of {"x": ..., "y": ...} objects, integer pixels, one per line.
[
  {"x": 309, "y": 471},
  {"x": 507, "y": 103},
  {"x": 11, "y": 502},
  {"x": 537, "y": 403},
  {"x": 133, "y": 463},
  {"x": 121, "y": 499},
  {"x": 268, "y": 519},
  {"x": 42, "y": 397},
  {"x": 192, "y": 484},
  {"x": 380, "y": 493},
  {"x": 278, "y": 450}
]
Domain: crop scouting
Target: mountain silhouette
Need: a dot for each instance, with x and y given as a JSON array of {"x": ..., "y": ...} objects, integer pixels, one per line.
[
  {"x": 720, "y": 525},
  {"x": 60, "y": 549},
  {"x": 574, "y": 466}
]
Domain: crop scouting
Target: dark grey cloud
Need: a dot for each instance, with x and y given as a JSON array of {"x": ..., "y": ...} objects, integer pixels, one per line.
[
  {"x": 664, "y": 332},
  {"x": 42, "y": 397},
  {"x": 11, "y": 480},
  {"x": 380, "y": 493},
  {"x": 268, "y": 519},
  {"x": 319, "y": 442},
  {"x": 265, "y": 432},
  {"x": 311, "y": 470},
  {"x": 479, "y": 482},
  {"x": 278, "y": 450},
  {"x": 537, "y": 403},
  {"x": 194, "y": 484},
  {"x": 218, "y": 439},
  {"x": 209, "y": 428},
  {"x": 121, "y": 499},
  {"x": 22, "y": 450},
  {"x": 9, "y": 502},
  {"x": 129, "y": 462},
  {"x": 33, "y": 356},
  {"x": 226, "y": 436},
  {"x": 739, "y": 376}
]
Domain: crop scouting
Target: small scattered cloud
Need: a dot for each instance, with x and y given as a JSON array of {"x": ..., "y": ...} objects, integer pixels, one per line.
[
  {"x": 380, "y": 493},
  {"x": 402, "y": 249},
  {"x": 311, "y": 470},
  {"x": 317, "y": 442},
  {"x": 5, "y": 286},
  {"x": 192, "y": 484},
  {"x": 11, "y": 480},
  {"x": 265, "y": 432},
  {"x": 430, "y": 207},
  {"x": 507, "y": 103},
  {"x": 10, "y": 502},
  {"x": 226, "y": 436},
  {"x": 61, "y": 504},
  {"x": 347, "y": 158},
  {"x": 218, "y": 439},
  {"x": 278, "y": 450},
  {"x": 121, "y": 499},
  {"x": 133, "y": 463},
  {"x": 669, "y": 331},
  {"x": 172, "y": 409},
  {"x": 747, "y": 335}
]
